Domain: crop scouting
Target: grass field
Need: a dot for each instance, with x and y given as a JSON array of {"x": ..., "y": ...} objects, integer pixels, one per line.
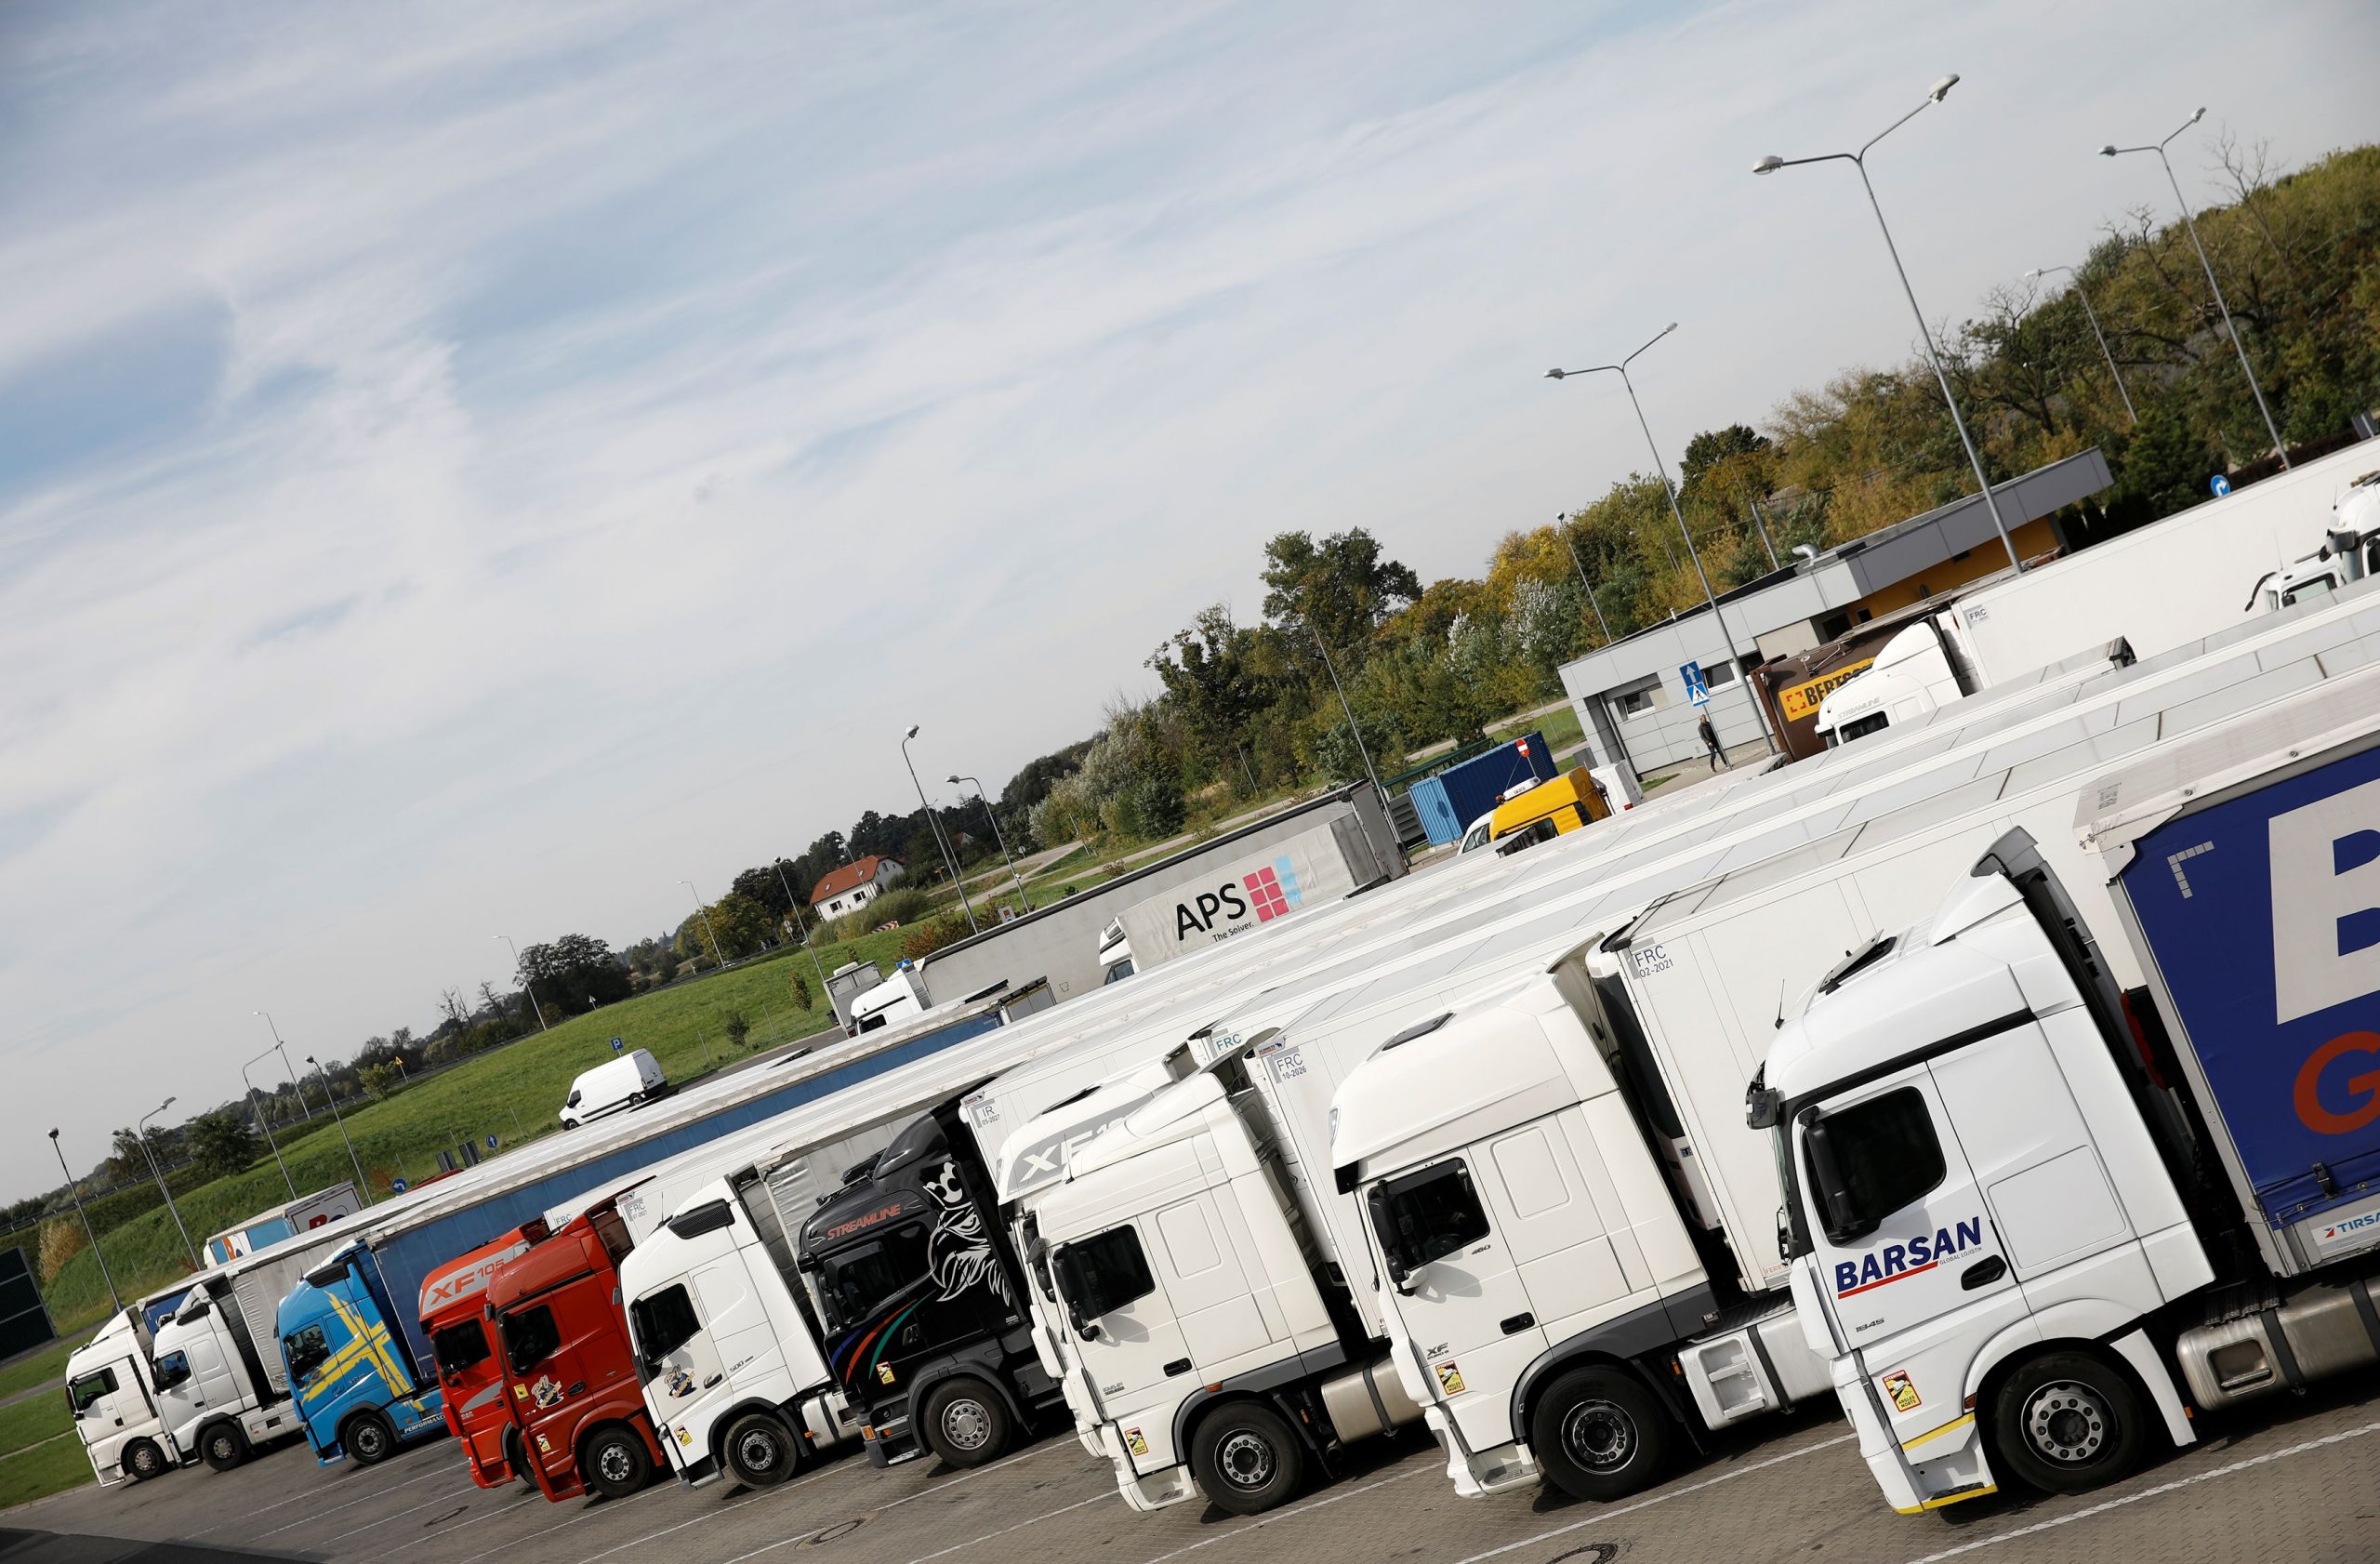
[
  {"x": 34, "y": 1419},
  {"x": 47, "y": 1364},
  {"x": 511, "y": 1092},
  {"x": 1561, "y": 729},
  {"x": 43, "y": 1470}
]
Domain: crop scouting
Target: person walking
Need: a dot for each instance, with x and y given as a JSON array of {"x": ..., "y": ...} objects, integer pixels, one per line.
[{"x": 1710, "y": 742}]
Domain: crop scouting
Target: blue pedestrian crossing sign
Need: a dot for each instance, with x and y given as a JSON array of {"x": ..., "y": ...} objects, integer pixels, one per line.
[
  {"x": 1696, "y": 692},
  {"x": 2220, "y": 484}
]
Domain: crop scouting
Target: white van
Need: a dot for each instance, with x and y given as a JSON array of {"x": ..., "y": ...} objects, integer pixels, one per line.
[{"x": 622, "y": 1082}]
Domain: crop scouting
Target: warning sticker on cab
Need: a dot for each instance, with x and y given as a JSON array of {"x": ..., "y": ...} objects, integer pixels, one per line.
[
  {"x": 1901, "y": 1392},
  {"x": 1451, "y": 1377},
  {"x": 1134, "y": 1442}
]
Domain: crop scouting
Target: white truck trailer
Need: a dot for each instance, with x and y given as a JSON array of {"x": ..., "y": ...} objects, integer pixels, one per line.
[
  {"x": 2071, "y": 1160},
  {"x": 1703, "y": 1310}
]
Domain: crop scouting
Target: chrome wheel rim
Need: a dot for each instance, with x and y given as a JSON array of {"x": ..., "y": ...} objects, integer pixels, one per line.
[
  {"x": 1246, "y": 1459},
  {"x": 2069, "y": 1423},
  {"x": 612, "y": 1464},
  {"x": 1599, "y": 1435},
  {"x": 966, "y": 1424},
  {"x": 757, "y": 1451}
]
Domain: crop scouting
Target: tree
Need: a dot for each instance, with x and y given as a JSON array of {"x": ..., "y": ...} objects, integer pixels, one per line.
[
  {"x": 1339, "y": 589},
  {"x": 799, "y": 988},
  {"x": 223, "y": 1143},
  {"x": 1713, "y": 446},
  {"x": 573, "y": 975},
  {"x": 380, "y": 1079},
  {"x": 741, "y": 925},
  {"x": 739, "y": 1030}
]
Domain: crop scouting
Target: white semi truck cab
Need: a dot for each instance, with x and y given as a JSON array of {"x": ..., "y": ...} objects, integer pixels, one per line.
[
  {"x": 218, "y": 1402},
  {"x": 2021, "y": 1198},
  {"x": 112, "y": 1390}
]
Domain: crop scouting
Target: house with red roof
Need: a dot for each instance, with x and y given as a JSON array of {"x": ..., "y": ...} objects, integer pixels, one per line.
[{"x": 855, "y": 886}]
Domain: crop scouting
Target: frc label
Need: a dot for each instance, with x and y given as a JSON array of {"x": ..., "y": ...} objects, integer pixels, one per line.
[
  {"x": 1909, "y": 1257},
  {"x": 1649, "y": 959}
]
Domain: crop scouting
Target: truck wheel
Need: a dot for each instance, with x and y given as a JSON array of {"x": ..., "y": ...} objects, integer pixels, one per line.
[
  {"x": 759, "y": 1451},
  {"x": 224, "y": 1447},
  {"x": 516, "y": 1458},
  {"x": 616, "y": 1463},
  {"x": 143, "y": 1460},
  {"x": 2067, "y": 1423},
  {"x": 965, "y": 1422},
  {"x": 1599, "y": 1434},
  {"x": 1247, "y": 1458},
  {"x": 368, "y": 1437}
]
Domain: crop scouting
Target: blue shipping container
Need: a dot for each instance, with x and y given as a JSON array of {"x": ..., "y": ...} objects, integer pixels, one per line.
[
  {"x": 1438, "y": 818},
  {"x": 1473, "y": 787},
  {"x": 2262, "y": 915}
]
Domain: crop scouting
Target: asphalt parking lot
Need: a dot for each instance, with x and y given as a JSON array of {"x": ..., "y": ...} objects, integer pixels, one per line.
[{"x": 2294, "y": 1480}]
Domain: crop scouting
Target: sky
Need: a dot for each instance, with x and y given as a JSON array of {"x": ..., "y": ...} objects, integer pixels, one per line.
[{"x": 465, "y": 471}]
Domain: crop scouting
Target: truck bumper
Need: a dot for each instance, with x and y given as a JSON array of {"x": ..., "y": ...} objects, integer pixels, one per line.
[{"x": 1167, "y": 1486}]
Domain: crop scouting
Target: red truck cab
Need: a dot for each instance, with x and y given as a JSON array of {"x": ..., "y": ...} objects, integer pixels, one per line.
[
  {"x": 470, "y": 1375},
  {"x": 570, "y": 1374}
]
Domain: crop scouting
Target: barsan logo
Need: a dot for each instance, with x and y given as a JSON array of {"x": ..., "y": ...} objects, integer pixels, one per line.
[{"x": 1910, "y": 1256}]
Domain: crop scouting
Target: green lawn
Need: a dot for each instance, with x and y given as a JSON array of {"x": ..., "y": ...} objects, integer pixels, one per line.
[
  {"x": 513, "y": 1092},
  {"x": 40, "y": 1472},
  {"x": 47, "y": 1364},
  {"x": 32, "y": 1420}
]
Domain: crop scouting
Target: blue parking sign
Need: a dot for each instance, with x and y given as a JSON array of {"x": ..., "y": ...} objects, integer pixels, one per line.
[
  {"x": 1697, "y": 691},
  {"x": 616, "y": 1045}
]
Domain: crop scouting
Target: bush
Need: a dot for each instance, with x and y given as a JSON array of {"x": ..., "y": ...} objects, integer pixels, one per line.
[
  {"x": 903, "y": 905},
  {"x": 799, "y": 988},
  {"x": 922, "y": 940},
  {"x": 739, "y": 1028},
  {"x": 61, "y": 1240}
]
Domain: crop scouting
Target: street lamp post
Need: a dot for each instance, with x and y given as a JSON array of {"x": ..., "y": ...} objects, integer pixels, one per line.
[
  {"x": 2111, "y": 149},
  {"x": 1352, "y": 728},
  {"x": 362, "y": 1184},
  {"x": 2037, "y": 273},
  {"x": 1562, "y": 526},
  {"x": 1859, "y": 160},
  {"x": 140, "y": 1133},
  {"x": 75, "y": 1191},
  {"x": 703, "y": 912},
  {"x": 1762, "y": 523},
  {"x": 295, "y": 1084},
  {"x": 1662, "y": 466},
  {"x": 804, "y": 930},
  {"x": 993, "y": 816},
  {"x": 949, "y": 859},
  {"x": 265, "y": 1123},
  {"x": 534, "y": 1008}
]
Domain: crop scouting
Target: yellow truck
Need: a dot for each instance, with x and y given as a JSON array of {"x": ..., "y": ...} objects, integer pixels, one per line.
[{"x": 1569, "y": 803}]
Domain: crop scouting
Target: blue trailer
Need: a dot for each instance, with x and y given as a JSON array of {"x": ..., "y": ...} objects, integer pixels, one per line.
[
  {"x": 2255, "y": 910},
  {"x": 1459, "y": 794}
]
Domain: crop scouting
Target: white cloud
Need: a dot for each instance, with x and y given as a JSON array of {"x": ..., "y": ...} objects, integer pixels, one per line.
[{"x": 582, "y": 379}]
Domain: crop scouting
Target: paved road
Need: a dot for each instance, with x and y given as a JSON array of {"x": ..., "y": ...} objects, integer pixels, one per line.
[{"x": 2291, "y": 1479}]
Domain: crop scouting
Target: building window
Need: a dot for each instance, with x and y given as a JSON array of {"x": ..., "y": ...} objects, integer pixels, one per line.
[
  {"x": 1646, "y": 694},
  {"x": 1718, "y": 676}
]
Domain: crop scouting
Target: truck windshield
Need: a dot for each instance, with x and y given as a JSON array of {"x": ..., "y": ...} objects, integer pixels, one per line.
[
  {"x": 854, "y": 1280},
  {"x": 530, "y": 1337},
  {"x": 305, "y": 1350},
  {"x": 460, "y": 1346},
  {"x": 1427, "y": 1215}
]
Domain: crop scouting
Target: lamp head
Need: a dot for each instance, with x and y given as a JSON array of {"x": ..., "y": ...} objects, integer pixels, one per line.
[
  {"x": 913, "y": 730},
  {"x": 1555, "y": 374},
  {"x": 53, "y": 1135},
  {"x": 167, "y": 1104},
  {"x": 1768, "y": 165},
  {"x": 2197, "y": 114},
  {"x": 1941, "y": 89},
  {"x": 2108, "y": 151},
  {"x": 2034, "y": 275}
]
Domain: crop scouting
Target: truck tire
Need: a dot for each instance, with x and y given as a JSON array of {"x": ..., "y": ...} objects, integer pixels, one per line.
[
  {"x": 1599, "y": 1434},
  {"x": 516, "y": 1458},
  {"x": 965, "y": 1422},
  {"x": 368, "y": 1437},
  {"x": 143, "y": 1460},
  {"x": 1247, "y": 1458},
  {"x": 759, "y": 1451},
  {"x": 614, "y": 1462},
  {"x": 2068, "y": 1423},
  {"x": 224, "y": 1447}
]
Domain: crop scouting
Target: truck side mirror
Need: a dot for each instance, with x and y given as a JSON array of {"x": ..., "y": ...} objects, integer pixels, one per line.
[{"x": 1838, "y": 1211}]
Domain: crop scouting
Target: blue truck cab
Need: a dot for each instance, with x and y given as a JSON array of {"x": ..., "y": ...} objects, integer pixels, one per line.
[{"x": 349, "y": 1370}]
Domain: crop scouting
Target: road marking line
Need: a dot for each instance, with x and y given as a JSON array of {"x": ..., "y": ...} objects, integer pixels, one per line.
[
  {"x": 586, "y": 1512},
  {"x": 1602, "y": 1515},
  {"x": 1020, "y": 1526},
  {"x": 299, "y": 1499},
  {"x": 378, "y": 1493},
  {"x": 396, "y": 1514},
  {"x": 2162, "y": 1489},
  {"x": 879, "y": 1509},
  {"x": 1313, "y": 1504}
]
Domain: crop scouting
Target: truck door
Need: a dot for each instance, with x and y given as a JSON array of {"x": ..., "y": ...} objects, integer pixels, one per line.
[
  {"x": 679, "y": 1358},
  {"x": 1127, "y": 1337},
  {"x": 1461, "y": 1299},
  {"x": 107, "y": 1401},
  {"x": 1909, "y": 1261}
]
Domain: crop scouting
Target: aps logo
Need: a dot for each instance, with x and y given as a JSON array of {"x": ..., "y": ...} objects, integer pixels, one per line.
[{"x": 1266, "y": 894}]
